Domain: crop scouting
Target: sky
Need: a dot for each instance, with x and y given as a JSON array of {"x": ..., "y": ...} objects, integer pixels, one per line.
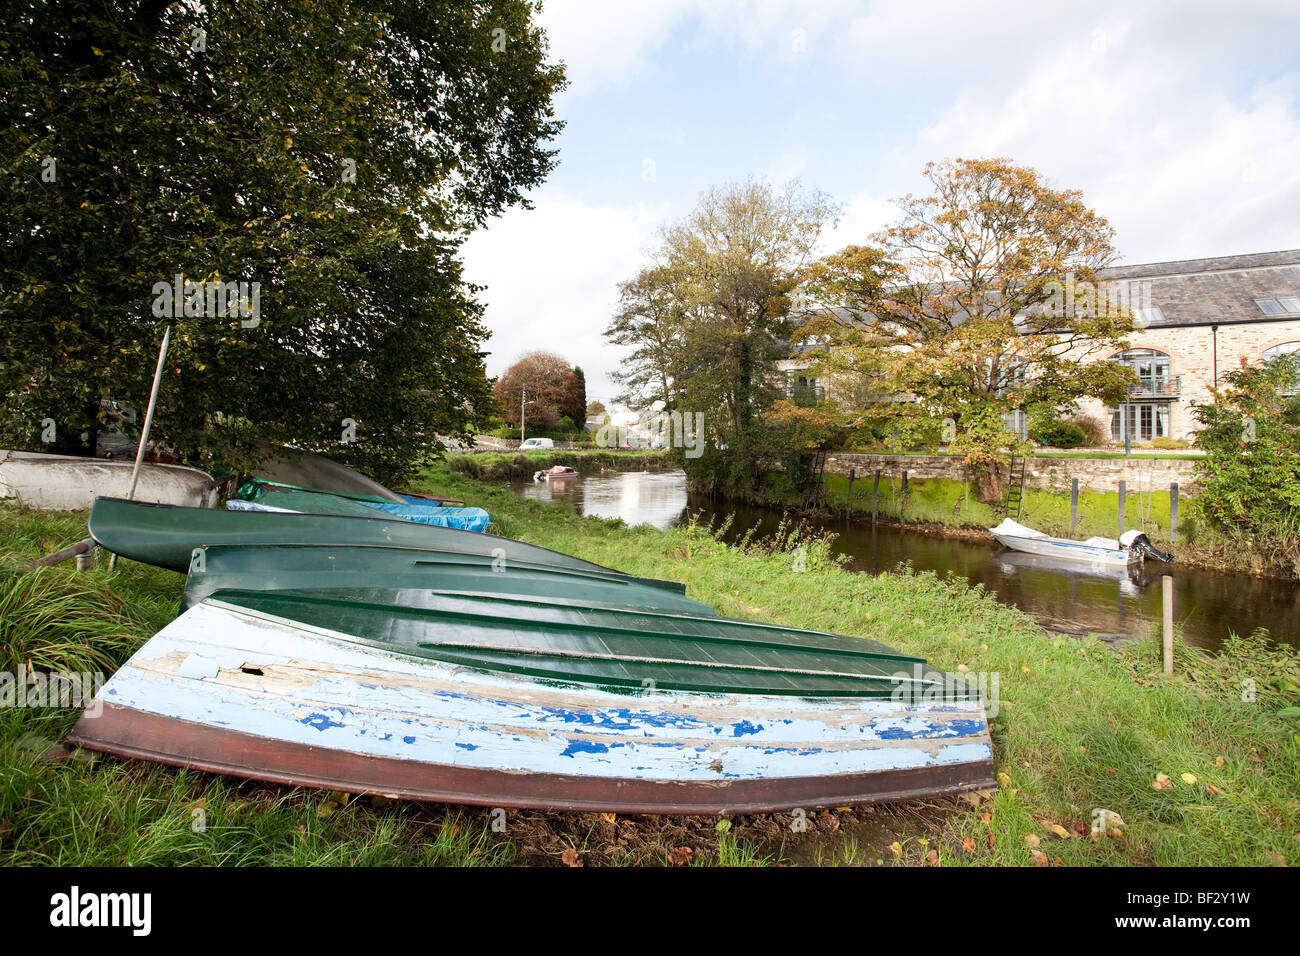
[{"x": 1178, "y": 119}]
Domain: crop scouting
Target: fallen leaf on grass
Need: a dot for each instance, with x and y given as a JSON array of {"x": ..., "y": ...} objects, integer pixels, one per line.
[
  {"x": 1004, "y": 780},
  {"x": 968, "y": 844},
  {"x": 1189, "y": 779},
  {"x": 1161, "y": 782},
  {"x": 1214, "y": 790},
  {"x": 680, "y": 856},
  {"x": 1059, "y": 830},
  {"x": 932, "y": 857},
  {"x": 1219, "y": 761},
  {"x": 609, "y": 817},
  {"x": 1031, "y": 839},
  {"x": 896, "y": 848},
  {"x": 571, "y": 857},
  {"x": 1040, "y": 858}
]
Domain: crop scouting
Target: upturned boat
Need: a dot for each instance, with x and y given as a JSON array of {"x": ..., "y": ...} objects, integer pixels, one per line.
[
  {"x": 544, "y": 681},
  {"x": 69, "y": 483},
  {"x": 272, "y": 496},
  {"x": 1132, "y": 547}
]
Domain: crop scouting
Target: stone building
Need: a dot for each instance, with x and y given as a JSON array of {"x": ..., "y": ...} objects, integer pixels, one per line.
[{"x": 1198, "y": 318}]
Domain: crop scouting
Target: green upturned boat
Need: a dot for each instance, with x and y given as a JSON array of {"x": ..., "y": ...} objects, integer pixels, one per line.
[{"x": 166, "y": 536}]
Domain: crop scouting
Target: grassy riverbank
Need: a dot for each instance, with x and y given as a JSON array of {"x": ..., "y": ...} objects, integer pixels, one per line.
[
  {"x": 1079, "y": 726},
  {"x": 952, "y": 505}
]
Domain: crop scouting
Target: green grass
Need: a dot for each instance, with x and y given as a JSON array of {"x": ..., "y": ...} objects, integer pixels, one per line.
[
  {"x": 946, "y": 501},
  {"x": 1079, "y": 726}
]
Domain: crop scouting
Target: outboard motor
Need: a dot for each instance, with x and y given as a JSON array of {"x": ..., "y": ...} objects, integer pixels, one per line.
[{"x": 1138, "y": 543}]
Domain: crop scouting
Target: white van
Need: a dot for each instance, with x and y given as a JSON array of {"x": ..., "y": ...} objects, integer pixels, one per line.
[{"x": 528, "y": 443}]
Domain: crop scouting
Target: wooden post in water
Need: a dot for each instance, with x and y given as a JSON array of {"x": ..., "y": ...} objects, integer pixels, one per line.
[
  {"x": 848, "y": 504},
  {"x": 1122, "y": 487},
  {"x": 902, "y": 497},
  {"x": 1173, "y": 511},
  {"x": 1074, "y": 505},
  {"x": 875, "y": 497},
  {"x": 1168, "y": 608}
]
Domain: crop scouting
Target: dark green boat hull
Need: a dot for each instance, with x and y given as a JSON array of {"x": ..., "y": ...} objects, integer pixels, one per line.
[
  {"x": 166, "y": 536},
  {"x": 307, "y": 567},
  {"x": 609, "y": 647}
]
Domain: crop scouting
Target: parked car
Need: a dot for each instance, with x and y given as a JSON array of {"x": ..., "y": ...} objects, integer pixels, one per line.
[{"x": 528, "y": 443}]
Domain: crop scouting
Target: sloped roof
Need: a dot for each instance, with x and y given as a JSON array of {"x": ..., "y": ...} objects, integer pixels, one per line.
[{"x": 1214, "y": 291}]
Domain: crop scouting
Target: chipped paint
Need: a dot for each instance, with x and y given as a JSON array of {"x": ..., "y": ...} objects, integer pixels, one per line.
[{"x": 330, "y": 694}]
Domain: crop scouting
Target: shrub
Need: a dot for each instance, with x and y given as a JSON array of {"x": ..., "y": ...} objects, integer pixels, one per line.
[
  {"x": 1095, "y": 432},
  {"x": 1057, "y": 434},
  {"x": 1161, "y": 441}
]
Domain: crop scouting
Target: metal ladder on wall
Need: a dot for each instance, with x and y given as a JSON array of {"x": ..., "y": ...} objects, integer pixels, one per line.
[
  {"x": 1015, "y": 502},
  {"x": 815, "y": 491}
]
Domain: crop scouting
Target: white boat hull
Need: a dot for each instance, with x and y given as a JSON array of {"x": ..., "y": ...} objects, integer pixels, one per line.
[
  {"x": 231, "y": 690},
  {"x": 66, "y": 483}
]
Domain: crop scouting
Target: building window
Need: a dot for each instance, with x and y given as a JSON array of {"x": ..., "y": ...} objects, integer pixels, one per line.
[
  {"x": 1146, "y": 420},
  {"x": 1152, "y": 367},
  {"x": 1279, "y": 306},
  {"x": 1150, "y": 315},
  {"x": 1277, "y": 351}
]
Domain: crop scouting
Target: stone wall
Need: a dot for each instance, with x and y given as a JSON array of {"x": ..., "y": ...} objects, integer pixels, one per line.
[{"x": 1094, "y": 474}]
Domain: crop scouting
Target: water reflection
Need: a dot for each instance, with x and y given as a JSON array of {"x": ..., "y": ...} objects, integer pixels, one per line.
[
  {"x": 1117, "y": 604},
  {"x": 654, "y": 498}
]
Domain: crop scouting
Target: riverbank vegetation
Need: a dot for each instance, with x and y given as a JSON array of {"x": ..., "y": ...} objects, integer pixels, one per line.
[{"x": 1197, "y": 769}]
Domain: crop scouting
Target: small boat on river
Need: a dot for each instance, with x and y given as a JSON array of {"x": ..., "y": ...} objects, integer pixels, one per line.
[
  {"x": 1132, "y": 547},
  {"x": 554, "y": 472}
]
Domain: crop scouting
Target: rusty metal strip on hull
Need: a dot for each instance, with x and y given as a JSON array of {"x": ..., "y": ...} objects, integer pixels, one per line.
[{"x": 131, "y": 733}]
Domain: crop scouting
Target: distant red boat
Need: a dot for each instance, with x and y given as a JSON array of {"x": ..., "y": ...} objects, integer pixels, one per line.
[{"x": 555, "y": 471}]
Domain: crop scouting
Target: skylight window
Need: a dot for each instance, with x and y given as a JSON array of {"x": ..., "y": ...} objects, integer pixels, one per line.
[
  {"x": 1291, "y": 304},
  {"x": 1151, "y": 315},
  {"x": 1270, "y": 306}
]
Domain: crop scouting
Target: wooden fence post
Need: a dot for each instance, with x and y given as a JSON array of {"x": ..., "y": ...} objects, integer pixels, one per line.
[
  {"x": 1122, "y": 487},
  {"x": 1173, "y": 511},
  {"x": 848, "y": 504},
  {"x": 875, "y": 497},
  {"x": 1074, "y": 505},
  {"x": 1168, "y": 609}
]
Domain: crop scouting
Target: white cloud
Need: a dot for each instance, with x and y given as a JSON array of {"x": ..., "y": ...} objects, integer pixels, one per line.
[
  {"x": 1181, "y": 166},
  {"x": 552, "y": 275}
]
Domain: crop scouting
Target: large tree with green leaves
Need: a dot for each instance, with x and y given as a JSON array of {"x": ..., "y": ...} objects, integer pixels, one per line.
[
  {"x": 710, "y": 317},
  {"x": 335, "y": 153},
  {"x": 959, "y": 307}
]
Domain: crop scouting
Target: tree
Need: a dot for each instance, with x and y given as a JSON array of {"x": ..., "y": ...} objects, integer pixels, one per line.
[
  {"x": 544, "y": 381},
  {"x": 335, "y": 154},
  {"x": 979, "y": 301},
  {"x": 711, "y": 315},
  {"x": 651, "y": 321},
  {"x": 1248, "y": 482},
  {"x": 596, "y": 408},
  {"x": 572, "y": 399}
]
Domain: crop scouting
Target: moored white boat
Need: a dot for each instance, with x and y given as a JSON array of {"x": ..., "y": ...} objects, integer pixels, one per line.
[{"x": 1132, "y": 547}]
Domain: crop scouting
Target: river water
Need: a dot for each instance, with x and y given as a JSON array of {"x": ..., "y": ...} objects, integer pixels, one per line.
[{"x": 1119, "y": 606}]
